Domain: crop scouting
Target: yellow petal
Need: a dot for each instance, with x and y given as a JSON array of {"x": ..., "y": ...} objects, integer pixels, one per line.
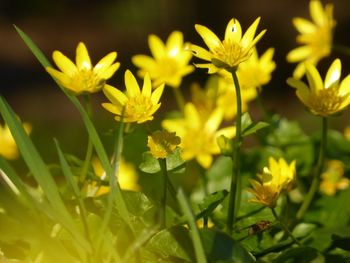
[
  {"x": 62, "y": 78},
  {"x": 105, "y": 62},
  {"x": 147, "y": 86},
  {"x": 108, "y": 72},
  {"x": 201, "y": 53},
  {"x": 313, "y": 77},
  {"x": 157, "y": 47},
  {"x": 64, "y": 63},
  {"x": 344, "y": 87},
  {"x": 132, "y": 87},
  {"x": 143, "y": 61},
  {"x": 211, "y": 68},
  {"x": 209, "y": 38},
  {"x": 317, "y": 12},
  {"x": 115, "y": 95},
  {"x": 233, "y": 31},
  {"x": 248, "y": 36},
  {"x": 82, "y": 57},
  {"x": 204, "y": 160},
  {"x": 299, "y": 54},
  {"x": 228, "y": 132},
  {"x": 174, "y": 43},
  {"x": 333, "y": 74},
  {"x": 214, "y": 121},
  {"x": 157, "y": 93},
  {"x": 192, "y": 115},
  {"x": 304, "y": 26},
  {"x": 112, "y": 108}
]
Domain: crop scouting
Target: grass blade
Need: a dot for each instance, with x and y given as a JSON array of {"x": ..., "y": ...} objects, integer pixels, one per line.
[
  {"x": 39, "y": 170},
  {"x": 196, "y": 239}
]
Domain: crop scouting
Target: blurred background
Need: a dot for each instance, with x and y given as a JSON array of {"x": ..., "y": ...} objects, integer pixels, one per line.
[{"x": 123, "y": 26}]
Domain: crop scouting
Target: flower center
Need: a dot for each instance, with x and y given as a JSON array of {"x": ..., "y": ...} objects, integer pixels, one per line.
[
  {"x": 231, "y": 53},
  {"x": 327, "y": 101},
  {"x": 88, "y": 81},
  {"x": 166, "y": 68},
  {"x": 138, "y": 107}
]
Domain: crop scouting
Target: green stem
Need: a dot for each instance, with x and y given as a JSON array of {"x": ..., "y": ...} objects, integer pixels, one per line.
[
  {"x": 163, "y": 167},
  {"x": 235, "y": 179},
  {"x": 341, "y": 49},
  {"x": 316, "y": 177},
  {"x": 180, "y": 100},
  {"x": 90, "y": 148},
  {"x": 284, "y": 227}
]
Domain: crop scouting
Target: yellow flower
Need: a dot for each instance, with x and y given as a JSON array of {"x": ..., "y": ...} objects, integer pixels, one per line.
[
  {"x": 333, "y": 178},
  {"x": 256, "y": 72},
  {"x": 169, "y": 63},
  {"x": 136, "y": 105},
  {"x": 316, "y": 36},
  {"x": 127, "y": 178},
  {"x": 323, "y": 98},
  {"x": 163, "y": 143},
  {"x": 230, "y": 52},
  {"x": 277, "y": 177},
  {"x": 8, "y": 146},
  {"x": 198, "y": 137},
  {"x": 82, "y": 77}
]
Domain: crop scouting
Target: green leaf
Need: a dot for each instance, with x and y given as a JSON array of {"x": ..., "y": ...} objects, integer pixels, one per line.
[
  {"x": 300, "y": 255},
  {"x": 220, "y": 247},
  {"x": 174, "y": 242},
  {"x": 210, "y": 202},
  {"x": 331, "y": 211},
  {"x": 249, "y": 127},
  {"x": 321, "y": 238},
  {"x": 151, "y": 164},
  {"x": 35, "y": 50},
  {"x": 303, "y": 229},
  {"x": 341, "y": 242}
]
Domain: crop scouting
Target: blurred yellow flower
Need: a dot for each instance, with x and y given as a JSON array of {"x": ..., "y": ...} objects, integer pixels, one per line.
[
  {"x": 323, "y": 98},
  {"x": 277, "y": 177},
  {"x": 127, "y": 178},
  {"x": 82, "y": 77},
  {"x": 219, "y": 92},
  {"x": 256, "y": 72},
  {"x": 163, "y": 143},
  {"x": 169, "y": 63},
  {"x": 136, "y": 105},
  {"x": 198, "y": 137},
  {"x": 8, "y": 146},
  {"x": 316, "y": 36},
  {"x": 226, "y": 98},
  {"x": 230, "y": 52},
  {"x": 333, "y": 178}
]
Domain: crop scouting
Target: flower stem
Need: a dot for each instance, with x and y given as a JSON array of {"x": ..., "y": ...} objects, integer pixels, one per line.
[
  {"x": 180, "y": 100},
  {"x": 163, "y": 167},
  {"x": 89, "y": 150},
  {"x": 235, "y": 179},
  {"x": 284, "y": 227},
  {"x": 316, "y": 177}
]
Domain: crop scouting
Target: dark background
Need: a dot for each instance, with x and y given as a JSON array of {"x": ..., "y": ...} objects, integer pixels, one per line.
[{"x": 123, "y": 26}]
